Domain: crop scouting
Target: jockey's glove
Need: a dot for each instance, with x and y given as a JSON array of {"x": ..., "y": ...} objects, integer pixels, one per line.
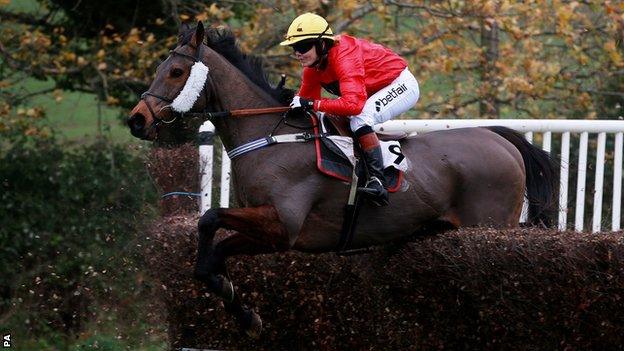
[{"x": 301, "y": 103}]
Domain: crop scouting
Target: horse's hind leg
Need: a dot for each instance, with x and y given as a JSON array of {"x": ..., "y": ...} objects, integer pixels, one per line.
[{"x": 489, "y": 202}]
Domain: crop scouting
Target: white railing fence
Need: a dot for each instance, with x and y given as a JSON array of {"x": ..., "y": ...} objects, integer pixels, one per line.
[{"x": 554, "y": 136}]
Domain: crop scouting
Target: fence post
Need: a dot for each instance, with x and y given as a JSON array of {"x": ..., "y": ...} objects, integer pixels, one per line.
[
  {"x": 524, "y": 215},
  {"x": 205, "y": 139},
  {"x": 617, "y": 182},
  {"x": 225, "y": 179},
  {"x": 580, "y": 184},
  {"x": 598, "y": 182},
  {"x": 563, "y": 181}
]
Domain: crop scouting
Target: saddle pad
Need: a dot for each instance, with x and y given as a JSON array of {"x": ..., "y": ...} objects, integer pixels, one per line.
[
  {"x": 391, "y": 151},
  {"x": 335, "y": 158}
]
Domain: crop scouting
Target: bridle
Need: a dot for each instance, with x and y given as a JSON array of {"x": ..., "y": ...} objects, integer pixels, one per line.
[
  {"x": 206, "y": 113},
  {"x": 194, "y": 59}
]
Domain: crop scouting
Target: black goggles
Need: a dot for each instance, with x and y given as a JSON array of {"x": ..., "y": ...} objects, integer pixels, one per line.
[{"x": 303, "y": 46}]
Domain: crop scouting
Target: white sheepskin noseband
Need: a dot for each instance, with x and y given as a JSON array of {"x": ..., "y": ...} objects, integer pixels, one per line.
[{"x": 193, "y": 87}]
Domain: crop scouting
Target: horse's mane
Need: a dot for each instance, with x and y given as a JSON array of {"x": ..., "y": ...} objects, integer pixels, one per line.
[{"x": 223, "y": 41}]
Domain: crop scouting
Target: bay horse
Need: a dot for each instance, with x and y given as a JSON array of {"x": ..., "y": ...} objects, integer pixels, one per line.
[{"x": 457, "y": 178}]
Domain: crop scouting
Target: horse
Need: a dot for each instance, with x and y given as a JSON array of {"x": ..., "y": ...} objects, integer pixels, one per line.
[{"x": 457, "y": 178}]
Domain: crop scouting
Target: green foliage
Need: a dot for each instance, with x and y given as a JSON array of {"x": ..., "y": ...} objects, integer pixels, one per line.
[
  {"x": 68, "y": 220},
  {"x": 88, "y": 18}
]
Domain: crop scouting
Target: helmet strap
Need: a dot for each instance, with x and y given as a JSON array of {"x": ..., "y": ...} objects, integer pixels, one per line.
[
  {"x": 323, "y": 32},
  {"x": 322, "y": 53}
]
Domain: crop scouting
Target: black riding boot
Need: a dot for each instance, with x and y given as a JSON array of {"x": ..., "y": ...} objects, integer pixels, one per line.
[{"x": 375, "y": 188}]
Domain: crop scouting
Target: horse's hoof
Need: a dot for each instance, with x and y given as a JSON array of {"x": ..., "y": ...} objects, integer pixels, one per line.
[
  {"x": 228, "y": 290},
  {"x": 254, "y": 327},
  {"x": 222, "y": 287}
]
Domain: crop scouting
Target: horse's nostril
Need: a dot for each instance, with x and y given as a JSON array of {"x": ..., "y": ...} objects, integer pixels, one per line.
[{"x": 136, "y": 122}]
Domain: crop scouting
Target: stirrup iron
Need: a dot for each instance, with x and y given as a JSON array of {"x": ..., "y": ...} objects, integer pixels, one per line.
[{"x": 375, "y": 193}]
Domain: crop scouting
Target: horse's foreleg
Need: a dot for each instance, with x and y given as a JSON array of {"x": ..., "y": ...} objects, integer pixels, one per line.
[
  {"x": 259, "y": 231},
  {"x": 260, "y": 224},
  {"x": 236, "y": 244},
  {"x": 207, "y": 227},
  {"x": 239, "y": 244}
]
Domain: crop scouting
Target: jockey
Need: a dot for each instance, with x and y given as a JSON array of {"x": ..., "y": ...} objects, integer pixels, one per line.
[{"x": 373, "y": 85}]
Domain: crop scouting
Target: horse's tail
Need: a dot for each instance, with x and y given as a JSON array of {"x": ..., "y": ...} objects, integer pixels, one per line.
[{"x": 541, "y": 177}]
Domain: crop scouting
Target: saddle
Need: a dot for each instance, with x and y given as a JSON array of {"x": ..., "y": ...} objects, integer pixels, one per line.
[{"x": 335, "y": 155}]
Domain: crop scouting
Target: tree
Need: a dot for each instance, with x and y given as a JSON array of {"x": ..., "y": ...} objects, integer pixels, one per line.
[
  {"x": 535, "y": 59},
  {"x": 611, "y": 101},
  {"x": 105, "y": 48}
]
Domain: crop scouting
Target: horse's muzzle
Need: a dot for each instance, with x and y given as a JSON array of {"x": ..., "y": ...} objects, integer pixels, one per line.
[{"x": 136, "y": 122}]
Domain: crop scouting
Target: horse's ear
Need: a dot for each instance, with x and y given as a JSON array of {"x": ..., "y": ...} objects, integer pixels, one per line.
[{"x": 200, "y": 32}]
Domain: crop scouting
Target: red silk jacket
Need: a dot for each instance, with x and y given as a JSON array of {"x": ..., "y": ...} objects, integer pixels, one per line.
[{"x": 356, "y": 69}]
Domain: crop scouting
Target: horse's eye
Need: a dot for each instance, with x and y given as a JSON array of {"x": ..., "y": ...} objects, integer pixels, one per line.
[{"x": 176, "y": 72}]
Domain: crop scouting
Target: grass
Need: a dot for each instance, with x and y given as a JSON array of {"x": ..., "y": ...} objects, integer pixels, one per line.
[{"x": 77, "y": 116}]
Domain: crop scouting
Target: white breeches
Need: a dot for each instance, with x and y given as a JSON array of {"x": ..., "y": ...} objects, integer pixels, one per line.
[{"x": 389, "y": 102}]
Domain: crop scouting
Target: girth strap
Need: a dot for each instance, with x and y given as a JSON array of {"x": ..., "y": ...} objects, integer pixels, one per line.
[{"x": 271, "y": 140}]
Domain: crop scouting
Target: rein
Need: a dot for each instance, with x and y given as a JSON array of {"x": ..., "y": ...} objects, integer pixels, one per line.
[{"x": 239, "y": 113}]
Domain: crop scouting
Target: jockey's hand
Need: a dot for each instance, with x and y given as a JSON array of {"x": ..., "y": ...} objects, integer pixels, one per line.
[{"x": 302, "y": 104}]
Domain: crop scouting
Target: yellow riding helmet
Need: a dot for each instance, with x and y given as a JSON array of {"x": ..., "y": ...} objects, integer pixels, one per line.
[{"x": 307, "y": 26}]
